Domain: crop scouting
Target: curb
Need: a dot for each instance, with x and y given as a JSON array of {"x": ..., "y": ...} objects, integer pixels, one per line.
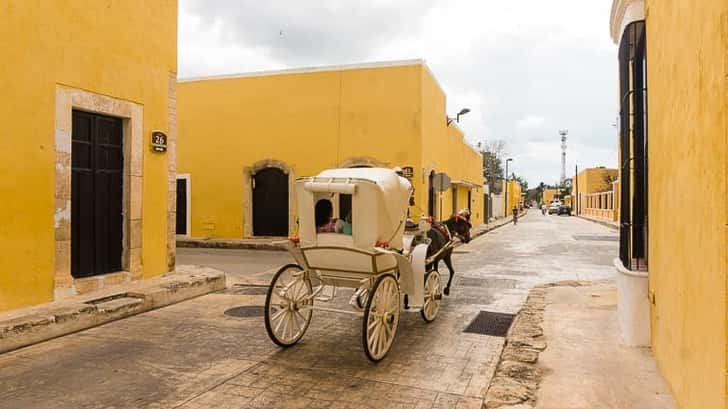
[
  {"x": 229, "y": 244},
  {"x": 32, "y": 325},
  {"x": 517, "y": 375},
  {"x": 602, "y": 222}
]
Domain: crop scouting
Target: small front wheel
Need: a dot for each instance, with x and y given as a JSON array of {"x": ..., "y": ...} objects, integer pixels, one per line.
[
  {"x": 381, "y": 317},
  {"x": 433, "y": 296},
  {"x": 288, "y": 305}
]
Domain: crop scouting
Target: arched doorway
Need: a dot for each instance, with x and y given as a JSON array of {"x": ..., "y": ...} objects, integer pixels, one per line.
[
  {"x": 270, "y": 202},
  {"x": 431, "y": 196}
]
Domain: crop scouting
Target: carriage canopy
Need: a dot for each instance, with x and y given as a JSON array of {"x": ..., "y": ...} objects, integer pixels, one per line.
[{"x": 374, "y": 201}]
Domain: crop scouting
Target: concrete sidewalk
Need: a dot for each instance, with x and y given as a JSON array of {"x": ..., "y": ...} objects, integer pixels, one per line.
[
  {"x": 27, "y": 326},
  {"x": 585, "y": 364},
  {"x": 564, "y": 352}
]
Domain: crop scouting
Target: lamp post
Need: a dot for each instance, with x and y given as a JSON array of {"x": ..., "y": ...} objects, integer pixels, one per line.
[
  {"x": 457, "y": 117},
  {"x": 505, "y": 199}
]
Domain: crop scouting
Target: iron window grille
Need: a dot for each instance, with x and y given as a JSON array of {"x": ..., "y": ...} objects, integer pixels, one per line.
[{"x": 633, "y": 147}]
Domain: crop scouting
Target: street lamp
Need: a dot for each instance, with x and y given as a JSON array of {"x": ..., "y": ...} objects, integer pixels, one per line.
[
  {"x": 457, "y": 117},
  {"x": 505, "y": 199}
]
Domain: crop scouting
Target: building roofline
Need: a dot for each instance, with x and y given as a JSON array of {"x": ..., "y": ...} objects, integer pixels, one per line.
[{"x": 305, "y": 70}]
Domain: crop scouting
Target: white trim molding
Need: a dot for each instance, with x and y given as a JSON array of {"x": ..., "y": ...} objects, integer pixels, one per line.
[
  {"x": 305, "y": 70},
  {"x": 623, "y": 13},
  {"x": 188, "y": 210}
]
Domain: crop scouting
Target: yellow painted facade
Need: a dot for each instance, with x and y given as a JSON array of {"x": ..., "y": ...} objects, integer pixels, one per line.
[
  {"x": 514, "y": 195},
  {"x": 390, "y": 114},
  {"x": 687, "y": 46},
  {"x": 549, "y": 195},
  {"x": 687, "y": 77},
  {"x": 595, "y": 193},
  {"x": 105, "y": 54}
]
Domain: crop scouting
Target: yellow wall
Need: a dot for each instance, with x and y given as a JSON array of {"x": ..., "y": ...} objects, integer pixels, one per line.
[
  {"x": 125, "y": 49},
  {"x": 444, "y": 149},
  {"x": 687, "y": 48},
  {"x": 549, "y": 195},
  {"x": 513, "y": 196},
  {"x": 312, "y": 121},
  {"x": 592, "y": 180}
]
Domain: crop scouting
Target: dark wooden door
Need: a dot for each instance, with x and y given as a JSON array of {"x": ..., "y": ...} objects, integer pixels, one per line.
[
  {"x": 270, "y": 203},
  {"x": 96, "y": 194},
  {"x": 181, "y": 206},
  {"x": 431, "y": 197}
]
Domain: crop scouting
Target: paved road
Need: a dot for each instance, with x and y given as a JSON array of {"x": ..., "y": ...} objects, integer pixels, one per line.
[{"x": 191, "y": 355}]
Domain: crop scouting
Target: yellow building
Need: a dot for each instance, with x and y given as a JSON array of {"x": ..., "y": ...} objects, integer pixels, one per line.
[
  {"x": 678, "y": 235},
  {"x": 247, "y": 137},
  {"x": 549, "y": 195},
  {"x": 514, "y": 195},
  {"x": 84, "y": 86},
  {"x": 594, "y": 192}
]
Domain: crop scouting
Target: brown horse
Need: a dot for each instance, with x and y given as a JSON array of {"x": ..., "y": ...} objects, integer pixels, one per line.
[{"x": 441, "y": 234}]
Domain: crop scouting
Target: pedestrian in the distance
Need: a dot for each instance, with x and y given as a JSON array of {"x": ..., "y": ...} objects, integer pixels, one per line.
[{"x": 515, "y": 214}]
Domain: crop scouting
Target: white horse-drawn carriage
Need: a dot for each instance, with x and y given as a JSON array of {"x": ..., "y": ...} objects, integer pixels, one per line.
[{"x": 370, "y": 254}]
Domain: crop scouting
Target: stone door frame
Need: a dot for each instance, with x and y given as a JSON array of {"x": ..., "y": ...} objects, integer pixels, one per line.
[
  {"x": 248, "y": 173},
  {"x": 67, "y": 100}
]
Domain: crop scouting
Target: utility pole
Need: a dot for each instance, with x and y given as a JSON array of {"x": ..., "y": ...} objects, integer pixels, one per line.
[
  {"x": 505, "y": 196},
  {"x": 575, "y": 188},
  {"x": 563, "y": 133}
]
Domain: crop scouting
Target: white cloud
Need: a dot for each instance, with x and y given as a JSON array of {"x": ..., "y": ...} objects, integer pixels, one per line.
[
  {"x": 530, "y": 122},
  {"x": 525, "y": 68}
]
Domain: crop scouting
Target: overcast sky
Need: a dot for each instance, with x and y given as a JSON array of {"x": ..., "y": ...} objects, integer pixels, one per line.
[{"x": 526, "y": 68}]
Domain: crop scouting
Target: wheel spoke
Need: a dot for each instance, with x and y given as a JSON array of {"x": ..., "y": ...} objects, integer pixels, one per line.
[{"x": 281, "y": 321}]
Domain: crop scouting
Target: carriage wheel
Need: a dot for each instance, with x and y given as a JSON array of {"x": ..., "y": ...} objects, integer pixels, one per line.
[
  {"x": 381, "y": 317},
  {"x": 288, "y": 305},
  {"x": 433, "y": 296}
]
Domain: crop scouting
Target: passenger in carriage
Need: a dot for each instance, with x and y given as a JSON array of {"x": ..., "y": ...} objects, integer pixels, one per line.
[{"x": 324, "y": 217}]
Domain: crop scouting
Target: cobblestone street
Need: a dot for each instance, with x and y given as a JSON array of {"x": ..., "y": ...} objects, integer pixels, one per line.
[{"x": 192, "y": 355}]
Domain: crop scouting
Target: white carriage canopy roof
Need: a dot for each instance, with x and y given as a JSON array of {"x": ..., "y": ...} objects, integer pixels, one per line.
[{"x": 394, "y": 189}]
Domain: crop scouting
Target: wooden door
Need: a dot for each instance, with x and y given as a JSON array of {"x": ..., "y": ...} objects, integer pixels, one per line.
[
  {"x": 270, "y": 203},
  {"x": 96, "y": 194},
  {"x": 431, "y": 196},
  {"x": 181, "y": 207}
]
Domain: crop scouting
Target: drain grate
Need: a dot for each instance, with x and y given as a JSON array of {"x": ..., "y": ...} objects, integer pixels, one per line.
[
  {"x": 239, "y": 289},
  {"x": 584, "y": 237},
  {"x": 246, "y": 311},
  {"x": 495, "y": 324}
]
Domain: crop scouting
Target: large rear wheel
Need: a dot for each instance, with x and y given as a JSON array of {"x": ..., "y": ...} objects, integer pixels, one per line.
[
  {"x": 433, "y": 296},
  {"x": 288, "y": 305},
  {"x": 381, "y": 317}
]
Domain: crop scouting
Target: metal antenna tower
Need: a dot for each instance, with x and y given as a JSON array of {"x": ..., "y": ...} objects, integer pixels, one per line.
[{"x": 563, "y": 133}]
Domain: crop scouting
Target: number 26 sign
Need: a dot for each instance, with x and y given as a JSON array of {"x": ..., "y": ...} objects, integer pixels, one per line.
[{"x": 159, "y": 141}]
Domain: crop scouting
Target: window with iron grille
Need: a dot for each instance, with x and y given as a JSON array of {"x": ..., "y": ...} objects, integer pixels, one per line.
[{"x": 633, "y": 147}]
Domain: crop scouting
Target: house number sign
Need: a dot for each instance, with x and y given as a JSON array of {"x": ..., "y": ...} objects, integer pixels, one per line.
[{"x": 159, "y": 141}]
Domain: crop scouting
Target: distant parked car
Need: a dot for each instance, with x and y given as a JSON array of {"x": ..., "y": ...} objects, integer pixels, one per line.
[
  {"x": 554, "y": 207},
  {"x": 564, "y": 209}
]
